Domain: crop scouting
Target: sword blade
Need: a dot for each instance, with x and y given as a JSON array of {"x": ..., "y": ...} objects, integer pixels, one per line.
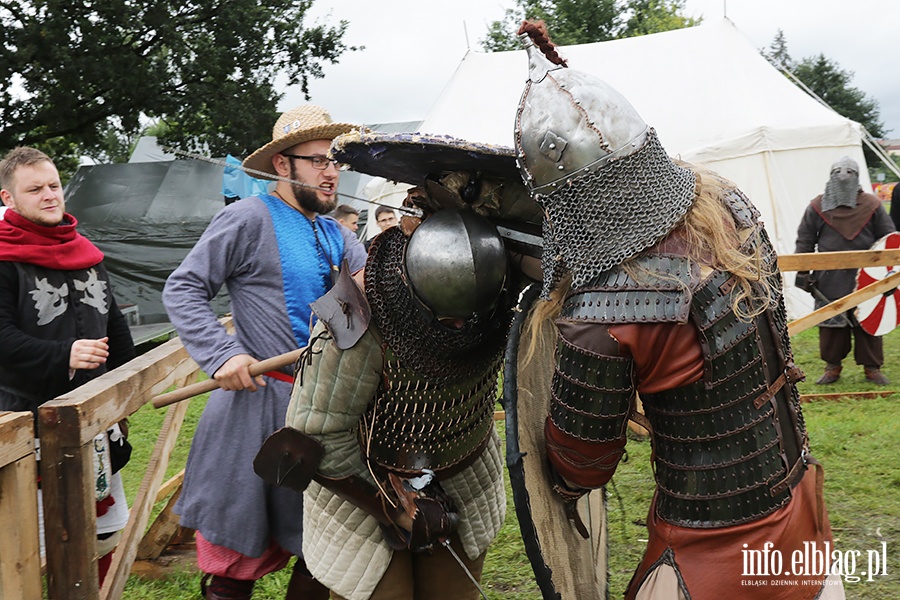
[{"x": 453, "y": 553}]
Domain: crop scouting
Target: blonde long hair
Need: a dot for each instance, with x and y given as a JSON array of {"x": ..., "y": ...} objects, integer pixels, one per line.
[{"x": 712, "y": 239}]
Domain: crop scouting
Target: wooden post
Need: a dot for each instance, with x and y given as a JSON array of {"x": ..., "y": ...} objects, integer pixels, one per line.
[
  {"x": 143, "y": 502},
  {"x": 70, "y": 521},
  {"x": 20, "y": 566}
]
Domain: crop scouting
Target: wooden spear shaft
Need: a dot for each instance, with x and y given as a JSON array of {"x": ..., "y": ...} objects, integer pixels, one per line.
[
  {"x": 201, "y": 387},
  {"x": 843, "y": 304}
]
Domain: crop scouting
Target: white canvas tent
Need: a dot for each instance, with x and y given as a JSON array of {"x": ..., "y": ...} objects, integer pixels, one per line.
[{"x": 712, "y": 99}]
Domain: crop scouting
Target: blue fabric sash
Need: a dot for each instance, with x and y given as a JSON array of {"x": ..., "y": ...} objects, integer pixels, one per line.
[{"x": 305, "y": 261}]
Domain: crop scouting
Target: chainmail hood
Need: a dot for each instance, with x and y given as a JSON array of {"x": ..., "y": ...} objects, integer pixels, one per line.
[
  {"x": 606, "y": 183},
  {"x": 843, "y": 184}
]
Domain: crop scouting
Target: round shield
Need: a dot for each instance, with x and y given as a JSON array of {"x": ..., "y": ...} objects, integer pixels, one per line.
[
  {"x": 412, "y": 157},
  {"x": 879, "y": 315},
  {"x": 566, "y": 566}
]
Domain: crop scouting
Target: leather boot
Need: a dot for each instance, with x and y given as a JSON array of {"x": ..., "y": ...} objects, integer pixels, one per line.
[
  {"x": 241, "y": 591},
  {"x": 874, "y": 375},
  {"x": 832, "y": 374},
  {"x": 303, "y": 586}
]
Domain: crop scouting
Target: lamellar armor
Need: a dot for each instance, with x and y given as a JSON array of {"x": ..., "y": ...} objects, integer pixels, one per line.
[
  {"x": 434, "y": 407},
  {"x": 727, "y": 447}
]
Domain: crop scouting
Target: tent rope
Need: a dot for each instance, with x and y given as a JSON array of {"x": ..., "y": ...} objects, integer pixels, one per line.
[
  {"x": 868, "y": 139},
  {"x": 407, "y": 210}
]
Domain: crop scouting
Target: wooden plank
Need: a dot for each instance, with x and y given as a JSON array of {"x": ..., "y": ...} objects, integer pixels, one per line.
[
  {"x": 143, "y": 502},
  {"x": 164, "y": 528},
  {"x": 843, "y": 304},
  {"x": 69, "y": 505},
  {"x": 121, "y": 392},
  {"x": 823, "y": 261},
  {"x": 16, "y": 436},
  {"x": 170, "y": 486},
  {"x": 848, "y": 395},
  {"x": 20, "y": 567}
]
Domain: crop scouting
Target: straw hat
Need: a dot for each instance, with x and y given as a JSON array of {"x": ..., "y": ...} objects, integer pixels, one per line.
[{"x": 302, "y": 124}]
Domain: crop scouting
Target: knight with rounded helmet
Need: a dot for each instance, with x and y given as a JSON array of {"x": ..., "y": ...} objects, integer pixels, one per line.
[{"x": 396, "y": 396}]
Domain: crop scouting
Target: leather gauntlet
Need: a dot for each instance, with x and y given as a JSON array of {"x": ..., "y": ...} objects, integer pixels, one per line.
[{"x": 428, "y": 515}]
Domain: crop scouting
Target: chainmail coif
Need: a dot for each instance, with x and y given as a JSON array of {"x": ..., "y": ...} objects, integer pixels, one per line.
[{"x": 606, "y": 216}]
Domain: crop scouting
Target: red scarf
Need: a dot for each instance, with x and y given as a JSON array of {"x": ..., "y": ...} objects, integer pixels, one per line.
[{"x": 59, "y": 247}]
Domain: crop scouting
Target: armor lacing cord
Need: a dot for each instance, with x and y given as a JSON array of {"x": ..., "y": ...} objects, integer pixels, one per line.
[
  {"x": 305, "y": 358},
  {"x": 369, "y": 428}
]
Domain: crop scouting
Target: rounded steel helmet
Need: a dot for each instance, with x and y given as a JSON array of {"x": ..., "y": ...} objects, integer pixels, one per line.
[{"x": 456, "y": 264}]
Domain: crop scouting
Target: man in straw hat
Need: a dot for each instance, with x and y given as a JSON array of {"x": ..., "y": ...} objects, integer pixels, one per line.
[{"x": 274, "y": 253}]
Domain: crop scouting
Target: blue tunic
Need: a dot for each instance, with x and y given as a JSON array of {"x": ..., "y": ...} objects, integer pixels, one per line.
[{"x": 256, "y": 250}]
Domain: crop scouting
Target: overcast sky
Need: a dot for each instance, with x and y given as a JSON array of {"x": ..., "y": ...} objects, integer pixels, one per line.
[{"x": 414, "y": 46}]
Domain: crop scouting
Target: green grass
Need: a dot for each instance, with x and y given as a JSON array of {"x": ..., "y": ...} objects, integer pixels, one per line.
[{"x": 857, "y": 440}]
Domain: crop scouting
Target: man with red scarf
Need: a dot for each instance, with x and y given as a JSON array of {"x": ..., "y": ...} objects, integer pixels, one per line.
[{"x": 60, "y": 326}]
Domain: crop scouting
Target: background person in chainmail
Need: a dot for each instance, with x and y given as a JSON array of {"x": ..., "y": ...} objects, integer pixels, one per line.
[
  {"x": 842, "y": 218},
  {"x": 404, "y": 409},
  {"x": 661, "y": 280}
]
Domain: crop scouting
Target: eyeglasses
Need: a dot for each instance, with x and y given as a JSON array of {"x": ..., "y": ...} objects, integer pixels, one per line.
[{"x": 319, "y": 162}]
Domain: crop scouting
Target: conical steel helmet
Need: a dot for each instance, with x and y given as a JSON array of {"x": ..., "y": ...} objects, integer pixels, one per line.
[{"x": 608, "y": 187}]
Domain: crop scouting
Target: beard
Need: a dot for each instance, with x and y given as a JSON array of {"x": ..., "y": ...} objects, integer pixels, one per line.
[{"x": 308, "y": 198}]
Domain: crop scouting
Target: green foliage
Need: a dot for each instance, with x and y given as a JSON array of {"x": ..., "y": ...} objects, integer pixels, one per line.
[
  {"x": 833, "y": 85},
  {"x": 584, "y": 21},
  {"x": 778, "y": 54},
  {"x": 92, "y": 71},
  {"x": 654, "y": 16},
  {"x": 827, "y": 80}
]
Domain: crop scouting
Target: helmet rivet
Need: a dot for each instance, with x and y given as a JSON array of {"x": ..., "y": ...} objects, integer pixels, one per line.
[
  {"x": 552, "y": 146},
  {"x": 561, "y": 168}
]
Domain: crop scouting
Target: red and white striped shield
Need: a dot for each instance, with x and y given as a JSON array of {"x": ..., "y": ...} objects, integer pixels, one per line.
[{"x": 879, "y": 315}]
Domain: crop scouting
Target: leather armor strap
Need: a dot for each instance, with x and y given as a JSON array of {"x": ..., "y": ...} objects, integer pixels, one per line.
[
  {"x": 792, "y": 374},
  {"x": 790, "y": 479}
]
